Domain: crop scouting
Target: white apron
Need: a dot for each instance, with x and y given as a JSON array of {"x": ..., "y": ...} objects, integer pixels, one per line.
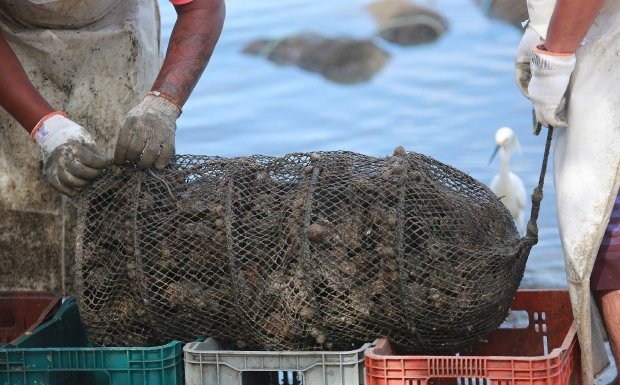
[
  {"x": 587, "y": 166},
  {"x": 94, "y": 59}
]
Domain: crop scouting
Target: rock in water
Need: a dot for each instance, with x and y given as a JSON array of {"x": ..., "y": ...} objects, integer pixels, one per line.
[
  {"x": 510, "y": 11},
  {"x": 341, "y": 60},
  {"x": 404, "y": 23}
]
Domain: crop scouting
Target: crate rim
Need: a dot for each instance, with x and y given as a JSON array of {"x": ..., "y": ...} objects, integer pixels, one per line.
[
  {"x": 95, "y": 349},
  {"x": 189, "y": 348},
  {"x": 359, "y": 359},
  {"x": 29, "y": 294},
  {"x": 555, "y": 353}
]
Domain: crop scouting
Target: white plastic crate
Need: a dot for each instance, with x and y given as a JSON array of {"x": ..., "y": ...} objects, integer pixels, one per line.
[{"x": 205, "y": 364}]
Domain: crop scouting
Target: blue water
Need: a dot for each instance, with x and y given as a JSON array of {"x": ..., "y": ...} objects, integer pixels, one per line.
[{"x": 445, "y": 100}]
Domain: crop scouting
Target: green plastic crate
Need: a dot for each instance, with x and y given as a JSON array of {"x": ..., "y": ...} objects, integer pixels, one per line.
[
  {"x": 22, "y": 311},
  {"x": 161, "y": 365},
  {"x": 63, "y": 330},
  {"x": 51, "y": 365}
]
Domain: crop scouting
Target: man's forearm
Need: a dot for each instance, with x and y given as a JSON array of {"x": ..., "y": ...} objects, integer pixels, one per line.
[
  {"x": 17, "y": 94},
  {"x": 193, "y": 39},
  {"x": 570, "y": 22}
]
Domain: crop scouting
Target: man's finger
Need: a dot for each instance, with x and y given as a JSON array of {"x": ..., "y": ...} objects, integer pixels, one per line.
[
  {"x": 69, "y": 180},
  {"x": 136, "y": 148},
  {"x": 63, "y": 189},
  {"x": 89, "y": 156},
  {"x": 55, "y": 183},
  {"x": 82, "y": 171},
  {"x": 164, "y": 156},
  {"x": 149, "y": 155},
  {"x": 122, "y": 146}
]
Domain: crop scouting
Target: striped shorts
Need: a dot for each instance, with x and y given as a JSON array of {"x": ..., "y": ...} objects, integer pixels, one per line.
[{"x": 606, "y": 273}]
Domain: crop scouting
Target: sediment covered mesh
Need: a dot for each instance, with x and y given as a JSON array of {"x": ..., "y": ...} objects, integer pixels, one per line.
[{"x": 306, "y": 251}]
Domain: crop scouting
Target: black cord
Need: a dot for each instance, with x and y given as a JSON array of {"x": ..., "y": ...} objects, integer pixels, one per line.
[{"x": 537, "y": 195}]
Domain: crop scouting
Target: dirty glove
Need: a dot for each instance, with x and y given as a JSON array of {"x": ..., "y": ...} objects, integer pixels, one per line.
[
  {"x": 69, "y": 153},
  {"x": 523, "y": 58},
  {"x": 551, "y": 74},
  {"x": 147, "y": 135}
]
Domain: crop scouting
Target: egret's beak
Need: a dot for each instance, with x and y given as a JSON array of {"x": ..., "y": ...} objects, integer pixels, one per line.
[{"x": 494, "y": 153}]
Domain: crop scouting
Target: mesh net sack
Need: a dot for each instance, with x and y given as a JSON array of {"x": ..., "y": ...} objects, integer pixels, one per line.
[{"x": 306, "y": 251}]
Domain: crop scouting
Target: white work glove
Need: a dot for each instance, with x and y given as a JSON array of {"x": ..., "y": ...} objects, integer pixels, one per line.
[
  {"x": 523, "y": 58},
  {"x": 71, "y": 159},
  {"x": 147, "y": 135},
  {"x": 551, "y": 74}
]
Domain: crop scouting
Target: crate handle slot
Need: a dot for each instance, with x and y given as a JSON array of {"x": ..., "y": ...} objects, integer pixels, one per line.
[{"x": 517, "y": 319}]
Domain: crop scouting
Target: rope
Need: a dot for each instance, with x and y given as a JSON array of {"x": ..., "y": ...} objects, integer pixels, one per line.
[
  {"x": 162, "y": 181},
  {"x": 305, "y": 254},
  {"x": 537, "y": 196},
  {"x": 400, "y": 231},
  {"x": 234, "y": 276}
]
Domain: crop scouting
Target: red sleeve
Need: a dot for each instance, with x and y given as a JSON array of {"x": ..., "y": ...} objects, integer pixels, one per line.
[{"x": 180, "y": 2}]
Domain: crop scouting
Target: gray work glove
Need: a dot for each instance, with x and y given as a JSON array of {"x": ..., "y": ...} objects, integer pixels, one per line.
[
  {"x": 147, "y": 135},
  {"x": 71, "y": 159}
]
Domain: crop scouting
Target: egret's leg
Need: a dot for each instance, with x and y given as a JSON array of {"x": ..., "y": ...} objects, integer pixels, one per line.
[{"x": 610, "y": 308}]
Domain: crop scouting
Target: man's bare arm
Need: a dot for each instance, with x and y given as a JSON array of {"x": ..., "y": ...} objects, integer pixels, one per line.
[
  {"x": 570, "y": 22},
  {"x": 17, "y": 94},
  {"x": 193, "y": 39}
]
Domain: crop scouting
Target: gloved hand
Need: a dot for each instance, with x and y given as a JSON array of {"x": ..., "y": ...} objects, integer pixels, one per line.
[
  {"x": 69, "y": 152},
  {"x": 551, "y": 74},
  {"x": 523, "y": 58},
  {"x": 147, "y": 135}
]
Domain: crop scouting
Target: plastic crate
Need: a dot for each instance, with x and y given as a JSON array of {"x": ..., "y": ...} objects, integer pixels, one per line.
[
  {"x": 79, "y": 365},
  {"x": 63, "y": 329},
  {"x": 205, "y": 364},
  {"x": 543, "y": 351},
  {"x": 21, "y": 312}
]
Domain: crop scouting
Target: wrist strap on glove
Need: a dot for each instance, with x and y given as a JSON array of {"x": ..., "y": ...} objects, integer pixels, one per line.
[
  {"x": 172, "y": 100},
  {"x": 35, "y": 130},
  {"x": 542, "y": 49},
  {"x": 56, "y": 129},
  {"x": 546, "y": 63}
]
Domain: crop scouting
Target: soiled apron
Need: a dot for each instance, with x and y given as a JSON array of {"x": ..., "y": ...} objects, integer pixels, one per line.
[
  {"x": 587, "y": 166},
  {"x": 94, "y": 59}
]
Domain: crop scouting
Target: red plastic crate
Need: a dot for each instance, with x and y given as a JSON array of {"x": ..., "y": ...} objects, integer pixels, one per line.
[
  {"x": 545, "y": 352},
  {"x": 21, "y": 312}
]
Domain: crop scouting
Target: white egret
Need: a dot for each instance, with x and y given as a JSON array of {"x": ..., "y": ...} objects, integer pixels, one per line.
[{"x": 506, "y": 184}]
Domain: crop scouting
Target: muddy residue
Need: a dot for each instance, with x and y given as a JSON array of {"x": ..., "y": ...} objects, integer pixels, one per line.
[
  {"x": 341, "y": 60},
  {"x": 31, "y": 252},
  {"x": 404, "y": 23}
]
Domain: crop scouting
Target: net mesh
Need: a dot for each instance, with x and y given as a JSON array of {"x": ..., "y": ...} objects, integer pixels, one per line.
[{"x": 306, "y": 251}]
